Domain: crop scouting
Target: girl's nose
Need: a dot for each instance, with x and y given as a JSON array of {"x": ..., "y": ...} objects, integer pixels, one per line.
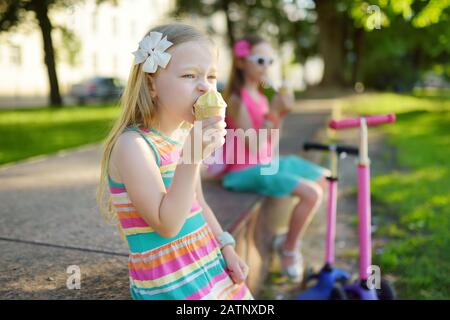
[{"x": 204, "y": 86}]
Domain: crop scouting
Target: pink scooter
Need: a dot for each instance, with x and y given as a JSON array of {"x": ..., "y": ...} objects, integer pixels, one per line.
[
  {"x": 362, "y": 289},
  {"x": 329, "y": 281}
]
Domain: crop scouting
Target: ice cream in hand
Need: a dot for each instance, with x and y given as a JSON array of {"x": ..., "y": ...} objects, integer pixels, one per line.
[
  {"x": 210, "y": 104},
  {"x": 284, "y": 88}
]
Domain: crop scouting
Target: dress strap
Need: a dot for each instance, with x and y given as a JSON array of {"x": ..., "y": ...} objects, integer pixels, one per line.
[
  {"x": 152, "y": 145},
  {"x": 256, "y": 109}
]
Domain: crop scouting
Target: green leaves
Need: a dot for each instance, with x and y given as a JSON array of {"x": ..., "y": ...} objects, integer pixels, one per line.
[{"x": 434, "y": 11}]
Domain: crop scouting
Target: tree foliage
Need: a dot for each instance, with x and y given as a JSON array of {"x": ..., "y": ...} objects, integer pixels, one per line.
[{"x": 386, "y": 44}]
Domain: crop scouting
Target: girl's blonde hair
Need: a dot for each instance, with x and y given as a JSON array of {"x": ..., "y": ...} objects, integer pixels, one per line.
[
  {"x": 236, "y": 79},
  {"x": 137, "y": 108}
]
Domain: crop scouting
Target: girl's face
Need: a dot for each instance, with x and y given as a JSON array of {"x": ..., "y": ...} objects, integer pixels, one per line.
[
  {"x": 256, "y": 65},
  {"x": 191, "y": 72}
]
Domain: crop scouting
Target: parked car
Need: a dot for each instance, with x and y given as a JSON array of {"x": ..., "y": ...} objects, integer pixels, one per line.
[
  {"x": 97, "y": 88},
  {"x": 221, "y": 86}
]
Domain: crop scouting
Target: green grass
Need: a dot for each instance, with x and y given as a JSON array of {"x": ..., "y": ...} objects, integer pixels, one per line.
[
  {"x": 26, "y": 133},
  {"x": 419, "y": 100},
  {"x": 413, "y": 203}
]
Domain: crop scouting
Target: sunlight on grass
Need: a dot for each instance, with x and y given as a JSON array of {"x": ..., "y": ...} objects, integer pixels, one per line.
[
  {"x": 412, "y": 205},
  {"x": 373, "y": 103},
  {"x": 31, "y": 132}
]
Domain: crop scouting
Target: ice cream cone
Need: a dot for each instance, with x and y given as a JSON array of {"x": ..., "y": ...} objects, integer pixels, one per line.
[
  {"x": 208, "y": 105},
  {"x": 284, "y": 88}
]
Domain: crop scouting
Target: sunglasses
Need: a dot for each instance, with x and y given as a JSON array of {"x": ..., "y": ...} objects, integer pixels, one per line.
[{"x": 261, "y": 60}]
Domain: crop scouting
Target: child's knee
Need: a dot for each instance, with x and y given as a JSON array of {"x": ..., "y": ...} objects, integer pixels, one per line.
[
  {"x": 314, "y": 195},
  {"x": 317, "y": 193},
  {"x": 322, "y": 182},
  {"x": 310, "y": 193}
]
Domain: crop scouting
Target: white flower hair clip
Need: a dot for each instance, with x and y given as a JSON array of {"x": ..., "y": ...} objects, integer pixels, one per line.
[{"x": 151, "y": 50}]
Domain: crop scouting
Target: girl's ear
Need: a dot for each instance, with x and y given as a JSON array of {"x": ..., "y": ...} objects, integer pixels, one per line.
[
  {"x": 152, "y": 86},
  {"x": 240, "y": 63}
]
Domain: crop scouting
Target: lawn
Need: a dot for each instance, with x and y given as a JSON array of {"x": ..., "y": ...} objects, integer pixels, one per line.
[
  {"x": 413, "y": 202},
  {"x": 30, "y": 132}
]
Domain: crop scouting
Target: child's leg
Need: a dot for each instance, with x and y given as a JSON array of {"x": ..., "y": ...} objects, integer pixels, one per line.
[
  {"x": 310, "y": 194},
  {"x": 323, "y": 183}
]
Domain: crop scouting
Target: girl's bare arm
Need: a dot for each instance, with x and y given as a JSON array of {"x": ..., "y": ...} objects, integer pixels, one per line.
[
  {"x": 164, "y": 211},
  {"x": 208, "y": 214}
]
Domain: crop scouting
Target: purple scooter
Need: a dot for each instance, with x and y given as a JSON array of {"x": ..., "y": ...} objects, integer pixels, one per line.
[
  {"x": 362, "y": 289},
  {"x": 330, "y": 281}
]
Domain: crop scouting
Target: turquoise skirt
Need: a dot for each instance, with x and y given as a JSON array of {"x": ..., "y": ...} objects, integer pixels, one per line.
[{"x": 292, "y": 170}]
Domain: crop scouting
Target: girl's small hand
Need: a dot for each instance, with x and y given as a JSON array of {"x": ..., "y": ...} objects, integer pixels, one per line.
[
  {"x": 283, "y": 103},
  {"x": 272, "y": 120},
  {"x": 210, "y": 137},
  {"x": 238, "y": 269}
]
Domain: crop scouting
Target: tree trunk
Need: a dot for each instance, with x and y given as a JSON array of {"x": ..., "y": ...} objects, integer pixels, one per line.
[
  {"x": 230, "y": 25},
  {"x": 358, "y": 41},
  {"x": 331, "y": 40},
  {"x": 41, "y": 10}
]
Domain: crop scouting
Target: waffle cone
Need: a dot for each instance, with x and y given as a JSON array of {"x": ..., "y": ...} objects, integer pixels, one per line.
[
  {"x": 208, "y": 105},
  {"x": 202, "y": 112},
  {"x": 283, "y": 90}
]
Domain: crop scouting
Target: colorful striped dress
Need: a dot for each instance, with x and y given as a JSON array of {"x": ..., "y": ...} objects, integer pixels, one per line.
[{"x": 187, "y": 266}]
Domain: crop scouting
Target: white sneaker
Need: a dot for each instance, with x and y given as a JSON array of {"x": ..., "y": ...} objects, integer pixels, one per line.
[
  {"x": 278, "y": 241},
  {"x": 294, "y": 271}
]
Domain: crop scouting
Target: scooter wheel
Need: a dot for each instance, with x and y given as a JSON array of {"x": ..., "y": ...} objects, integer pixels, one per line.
[
  {"x": 309, "y": 276},
  {"x": 386, "y": 291},
  {"x": 338, "y": 293}
]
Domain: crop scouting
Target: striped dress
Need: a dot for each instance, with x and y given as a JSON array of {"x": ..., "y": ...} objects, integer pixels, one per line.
[{"x": 187, "y": 266}]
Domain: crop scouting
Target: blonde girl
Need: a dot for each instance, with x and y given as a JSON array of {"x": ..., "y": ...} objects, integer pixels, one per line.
[{"x": 178, "y": 249}]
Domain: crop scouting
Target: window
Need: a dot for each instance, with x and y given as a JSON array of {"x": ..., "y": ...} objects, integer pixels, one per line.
[
  {"x": 16, "y": 55},
  {"x": 94, "y": 62},
  {"x": 132, "y": 28},
  {"x": 114, "y": 26},
  {"x": 114, "y": 60},
  {"x": 94, "y": 22}
]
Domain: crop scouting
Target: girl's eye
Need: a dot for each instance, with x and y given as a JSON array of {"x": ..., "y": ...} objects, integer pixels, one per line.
[
  {"x": 212, "y": 77},
  {"x": 189, "y": 76}
]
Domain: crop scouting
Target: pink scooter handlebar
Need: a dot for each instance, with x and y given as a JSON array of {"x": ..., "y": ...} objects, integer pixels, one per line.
[{"x": 355, "y": 122}]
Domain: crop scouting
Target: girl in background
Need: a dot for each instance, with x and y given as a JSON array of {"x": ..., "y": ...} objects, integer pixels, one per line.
[{"x": 249, "y": 108}]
